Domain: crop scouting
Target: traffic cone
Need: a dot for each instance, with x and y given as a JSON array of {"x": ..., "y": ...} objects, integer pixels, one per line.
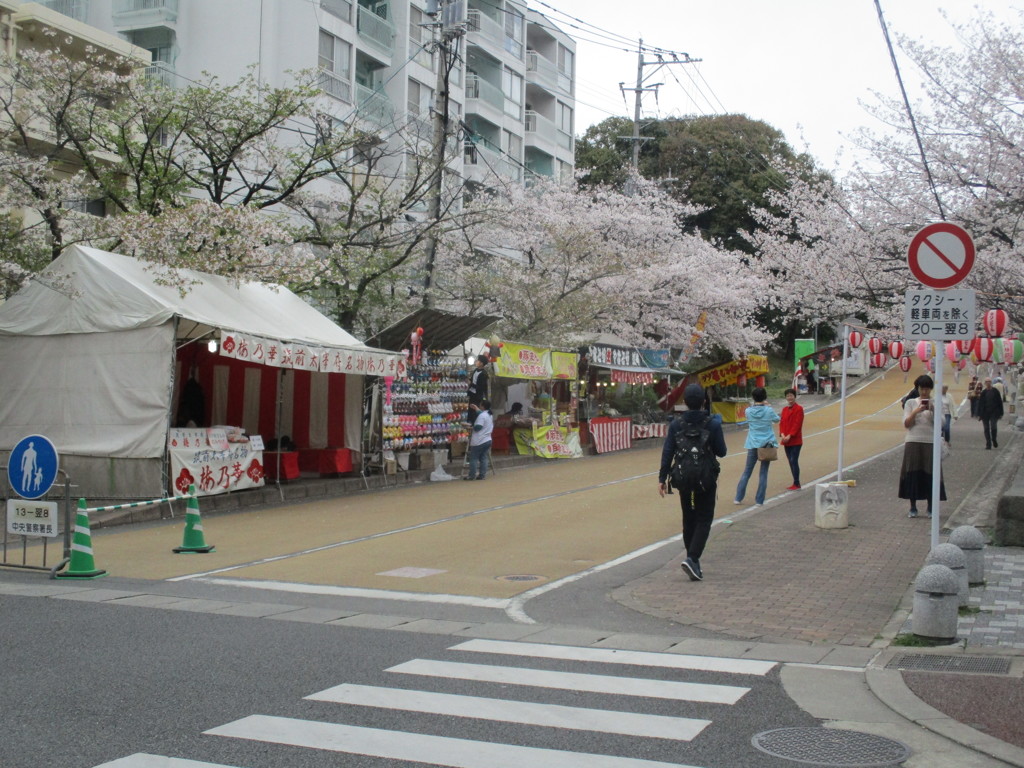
[
  {"x": 193, "y": 543},
  {"x": 82, "y": 565}
]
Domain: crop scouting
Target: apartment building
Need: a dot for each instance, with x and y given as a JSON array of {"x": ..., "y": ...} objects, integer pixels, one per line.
[{"x": 512, "y": 87}]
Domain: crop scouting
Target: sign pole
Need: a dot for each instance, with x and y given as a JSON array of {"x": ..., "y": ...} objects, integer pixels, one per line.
[
  {"x": 842, "y": 402},
  {"x": 937, "y": 446}
]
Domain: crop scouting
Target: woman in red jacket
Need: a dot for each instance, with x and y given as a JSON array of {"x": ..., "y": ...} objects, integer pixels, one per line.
[{"x": 791, "y": 435}]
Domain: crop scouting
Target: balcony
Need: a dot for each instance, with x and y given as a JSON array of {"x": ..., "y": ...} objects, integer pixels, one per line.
[
  {"x": 340, "y": 8},
  {"x": 485, "y": 99},
  {"x": 144, "y": 14},
  {"x": 336, "y": 86},
  {"x": 374, "y": 106},
  {"x": 376, "y": 30},
  {"x": 485, "y": 29},
  {"x": 540, "y": 130},
  {"x": 161, "y": 73},
  {"x": 73, "y": 9},
  {"x": 480, "y": 162},
  {"x": 541, "y": 72}
]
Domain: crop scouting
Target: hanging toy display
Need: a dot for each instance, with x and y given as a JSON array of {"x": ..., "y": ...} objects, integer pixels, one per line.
[
  {"x": 416, "y": 340},
  {"x": 494, "y": 345}
]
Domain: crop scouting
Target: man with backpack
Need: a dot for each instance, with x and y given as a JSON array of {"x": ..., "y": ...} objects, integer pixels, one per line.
[{"x": 689, "y": 460}]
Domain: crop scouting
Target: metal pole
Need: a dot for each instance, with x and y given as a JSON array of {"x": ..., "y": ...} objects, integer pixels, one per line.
[
  {"x": 936, "y": 444},
  {"x": 842, "y": 402},
  {"x": 637, "y": 106}
]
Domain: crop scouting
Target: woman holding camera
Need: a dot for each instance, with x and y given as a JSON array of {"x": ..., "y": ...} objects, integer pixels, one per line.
[{"x": 916, "y": 471}]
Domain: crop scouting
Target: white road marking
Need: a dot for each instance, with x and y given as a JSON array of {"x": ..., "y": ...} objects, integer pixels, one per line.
[
  {"x": 612, "y": 656},
  {"x": 523, "y": 712},
  {"x": 417, "y": 747},
  {"x": 142, "y": 760},
  {"x": 575, "y": 681}
]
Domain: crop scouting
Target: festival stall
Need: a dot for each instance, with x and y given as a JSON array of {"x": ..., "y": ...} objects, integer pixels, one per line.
[
  {"x": 717, "y": 380},
  {"x": 534, "y": 397},
  {"x": 145, "y": 388},
  {"x": 634, "y": 379}
]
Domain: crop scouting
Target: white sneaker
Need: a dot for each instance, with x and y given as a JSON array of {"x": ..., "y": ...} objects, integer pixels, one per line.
[{"x": 737, "y": 503}]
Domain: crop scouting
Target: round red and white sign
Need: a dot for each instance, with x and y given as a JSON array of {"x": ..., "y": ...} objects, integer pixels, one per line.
[{"x": 941, "y": 255}]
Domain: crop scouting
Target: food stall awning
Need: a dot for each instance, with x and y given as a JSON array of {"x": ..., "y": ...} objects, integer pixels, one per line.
[
  {"x": 630, "y": 365},
  {"x": 441, "y": 330}
]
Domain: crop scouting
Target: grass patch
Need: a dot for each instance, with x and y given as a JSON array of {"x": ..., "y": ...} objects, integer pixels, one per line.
[
  {"x": 970, "y": 610},
  {"x": 910, "y": 640}
]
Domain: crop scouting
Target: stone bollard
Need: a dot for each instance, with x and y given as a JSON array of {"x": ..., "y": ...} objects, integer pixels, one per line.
[
  {"x": 831, "y": 505},
  {"x": 935, "y": 603},
  {"x": 953, "y": 558},
  {"x": 972, "y": 543}
]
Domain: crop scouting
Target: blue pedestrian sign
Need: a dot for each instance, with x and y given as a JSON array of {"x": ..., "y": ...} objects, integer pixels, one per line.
[{"x": 32, "y": 467}]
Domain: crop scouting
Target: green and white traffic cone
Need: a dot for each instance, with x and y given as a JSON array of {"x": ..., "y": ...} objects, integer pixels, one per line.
[
  {"x": 193, "y": 543},
  {"x": 82, "y": 565}
]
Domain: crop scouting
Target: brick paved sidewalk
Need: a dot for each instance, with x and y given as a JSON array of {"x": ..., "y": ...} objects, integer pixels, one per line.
[{"x": 771, "y": 575}]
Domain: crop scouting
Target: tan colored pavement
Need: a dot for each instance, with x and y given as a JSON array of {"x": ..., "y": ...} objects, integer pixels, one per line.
[{"x": 551, "y": 521}]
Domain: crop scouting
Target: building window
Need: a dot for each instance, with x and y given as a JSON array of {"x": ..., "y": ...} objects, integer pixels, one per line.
[
  {"x": 335, "y": 62},
  {"x": 514, "y": 32},
  {"x": 420, "y": 98},
  {"x": 566, "y": 59},
  {"x": 564, "y": 118},
  {"x": 419, "y": 36},
  {"x": 512, "y": 87},
  {"x": 513, "y": 146}
]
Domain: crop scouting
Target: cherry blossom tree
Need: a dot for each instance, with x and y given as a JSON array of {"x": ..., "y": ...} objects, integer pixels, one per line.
[{"x": 561, "y": 263}]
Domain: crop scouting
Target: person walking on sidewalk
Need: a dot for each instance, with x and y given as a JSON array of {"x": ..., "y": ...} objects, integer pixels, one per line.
[
  {"x": 916, "y": 470},
  {"x": 990, "y": 411},
  {"x": 760, "y": 433},
  {"x": 948, "y": 412},
  {"x": 791, "y": 435},
  {"x": 973, "y": 390},
  {"x": 699, "y": 505},
  {"x": 480, "y": 440}
]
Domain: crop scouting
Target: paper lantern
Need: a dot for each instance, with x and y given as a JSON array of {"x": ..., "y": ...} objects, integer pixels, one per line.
[
  {"x": 930, "y": 366},
  {"x": 952, "y": 352},
  {"x": 759, "y": 381},
  {"x": 965, "y": 346},
  {"x": 905, "y": 363},
  {"x": 961, "y": 363},
  {"x": 925, "y": 350},
  {"x": 874, "y": 345},
  {"x": 741, "y": 380},
  {"x": 994, "y": 322},
  {"x": 878, "y": 360},
  {"x": 1007, "y": 351},
  {"x": 982, "y": 352},
  {"x": 856, "y": 337},
  {"x": 895, "y": 349}
]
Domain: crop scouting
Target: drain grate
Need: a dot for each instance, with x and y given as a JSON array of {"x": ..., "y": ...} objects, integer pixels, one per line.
[
  {"x": 520, "y": 577},
  {"x": 924, "y": 662},
  {"x": 831, "y": 747}
]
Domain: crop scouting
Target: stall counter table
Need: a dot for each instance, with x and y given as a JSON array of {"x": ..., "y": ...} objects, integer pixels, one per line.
[
  {"x": 289, "y": 465},
  {"x": 732, "y": 411},
  {"x": 611, "y": 434},
  {"x": 326, "y": 461}
]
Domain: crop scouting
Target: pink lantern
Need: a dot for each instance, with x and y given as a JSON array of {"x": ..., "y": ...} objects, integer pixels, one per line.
[
  {"x": 965, "y": 347},
  {"x": 895, "y": 349},
  {"x": 925, "y": 350},
  {"x": 995, "y": 321},
  {"x": 952, "y": 352},
  {"x": 878, "y": 360},
  {"x": 982, "y": 350},
  {"x": 856, "y": 337},
  {"x": 874, "y": 345},
  {"x": 961, "y": 363},
  {"x": 905, "y": 363},
  {"x": 930, "y": 366}
]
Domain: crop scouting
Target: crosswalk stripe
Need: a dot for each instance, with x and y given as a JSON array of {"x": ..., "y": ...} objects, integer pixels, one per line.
[
  {"x": 575, "y": 681},
  {"x": 417, "y": 747},
  {"x": 143, "y": 760},
  {"x": 612, "y": 656},
  {"x": 524, "y": 712}
]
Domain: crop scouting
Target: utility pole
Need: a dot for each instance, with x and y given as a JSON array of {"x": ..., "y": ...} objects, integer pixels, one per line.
[
  {"x": 639, "y": 91},
  {"x": 450, "y": 28}
]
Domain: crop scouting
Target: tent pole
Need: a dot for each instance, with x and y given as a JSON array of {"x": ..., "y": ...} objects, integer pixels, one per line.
[
  {"x": 277, "y": 429},
  {"x": 165, "y": 463}
]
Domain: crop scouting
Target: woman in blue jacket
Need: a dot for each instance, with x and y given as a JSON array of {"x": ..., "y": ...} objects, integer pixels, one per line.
[{"x": 760, "y": 432}]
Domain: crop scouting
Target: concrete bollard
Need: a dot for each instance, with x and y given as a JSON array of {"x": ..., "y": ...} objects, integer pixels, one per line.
[
  {"x": 935, "y": 603},
  {"x": 831, "y": 505},
  {"x": 972, "y": 543},
  {"x": 953, "y": 558}
]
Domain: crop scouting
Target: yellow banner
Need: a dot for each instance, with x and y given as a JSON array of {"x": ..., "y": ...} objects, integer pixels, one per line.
[
  {"x": 519, "y": 361},
  {"x": 728, "y": 373},
  {"x": 549, "y": 442}
]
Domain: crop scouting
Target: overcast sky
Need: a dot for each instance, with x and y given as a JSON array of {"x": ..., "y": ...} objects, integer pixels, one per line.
[{"x": 802, "y": 66}]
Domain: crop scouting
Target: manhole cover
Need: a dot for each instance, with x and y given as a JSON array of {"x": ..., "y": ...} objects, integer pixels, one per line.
[
  {"x": 520, "y": 577},
  {"x": 924, "y": 662},
  {"x": 831, "y": 746}
]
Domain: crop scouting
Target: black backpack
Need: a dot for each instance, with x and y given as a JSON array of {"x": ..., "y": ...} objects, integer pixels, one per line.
[{"x": 695, "y": 468}]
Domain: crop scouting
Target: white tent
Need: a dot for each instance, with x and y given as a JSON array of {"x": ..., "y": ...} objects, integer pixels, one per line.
[{"x": 88, "y": 353}]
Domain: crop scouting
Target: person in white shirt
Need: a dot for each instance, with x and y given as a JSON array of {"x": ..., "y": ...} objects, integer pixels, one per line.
[
  {"x": 480, "y": 440},
  {"x": 916, "y": 470},
  {"x": 948, "y": 412}
]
